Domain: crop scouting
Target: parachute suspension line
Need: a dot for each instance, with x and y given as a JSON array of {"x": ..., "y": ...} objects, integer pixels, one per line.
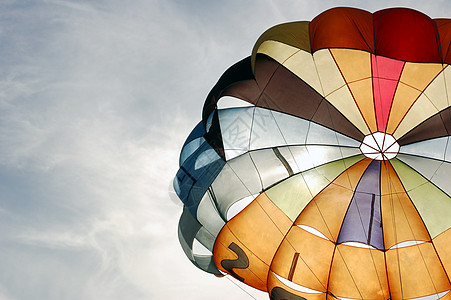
[{"x": 232, "y": 281}]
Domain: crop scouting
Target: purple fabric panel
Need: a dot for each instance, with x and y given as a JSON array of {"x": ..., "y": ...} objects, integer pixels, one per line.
[{"x": 362, "y": 222}]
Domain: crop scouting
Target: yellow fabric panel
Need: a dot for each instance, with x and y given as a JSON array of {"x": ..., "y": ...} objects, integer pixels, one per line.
[
  {"x": 442, "y": 244},
  {"x": 400, "y": 219},
  {"x": 313, "y": 264},
  {"x": 404, "y": 97},
  {"x": 415, "y": 271},
  {"x": 362, "y": 92},
  {"x": 420, "y": 111},
  {"x": 326, "y": 211},
  {"x": 295, "y": 34},
  {"x": 273, "y": 282},
  {"x": 258, "y": 230},
  {"x": 419, "y": 75},
  {"x": 355, "y": 66},
  {"x": 358, "y": 273},
  {"x": 255, "y": 274}
]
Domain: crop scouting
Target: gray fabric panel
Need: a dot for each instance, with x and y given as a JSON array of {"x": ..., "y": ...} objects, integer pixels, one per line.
[
  {"x": 188, "y": 229},
  {"x": 208, "y": 215}
]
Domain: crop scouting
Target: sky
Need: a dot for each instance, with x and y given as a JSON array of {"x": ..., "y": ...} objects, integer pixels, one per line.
[{"x": 96, "y": 100}]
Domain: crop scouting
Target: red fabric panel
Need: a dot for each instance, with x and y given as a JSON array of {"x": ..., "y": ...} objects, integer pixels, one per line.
[
  {"x": 386, "y": 73},
  {"x": 406, "y": 34},
  {"x": 444, "y": 31},
  {"x": 342, "y": 27}
]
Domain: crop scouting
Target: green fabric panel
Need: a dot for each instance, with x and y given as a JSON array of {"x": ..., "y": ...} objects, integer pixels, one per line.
[
  {"x": 293, "y": 194},
  {"x": 295, "y": 34},
  {"x": 433, "y": 205}
]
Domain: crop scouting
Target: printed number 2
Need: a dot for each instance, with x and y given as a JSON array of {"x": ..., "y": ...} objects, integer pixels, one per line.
[
  {"x": 242, "y": 262},
  {"x": 279, "y": 293}
]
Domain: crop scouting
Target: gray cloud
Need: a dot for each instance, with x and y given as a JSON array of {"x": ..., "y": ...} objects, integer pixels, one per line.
[{"x": 96, "y": 99}]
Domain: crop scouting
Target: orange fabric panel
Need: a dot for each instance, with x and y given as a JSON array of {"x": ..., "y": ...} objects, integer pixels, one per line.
[
  {"x": 415, "y": 271},
  {"x": 229, "y": 260},
  {"x": 444, "y": 31},
  {"x": 442, "y": 244},
  {"x": 400, "y": 218},
  {"x": 257, "y": 230},
  {"x": 446, "y": 297},
  {"x": 312, "y": 265},
  {"x": 326, "y": 211},
  {"x": 274, "y": 282},
  {"x": 358, "y": 273},
  {"x": 342, "y": 27}
]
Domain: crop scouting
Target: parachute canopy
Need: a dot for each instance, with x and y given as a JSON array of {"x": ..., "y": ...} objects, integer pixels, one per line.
[{"x": 332, "y": 179}]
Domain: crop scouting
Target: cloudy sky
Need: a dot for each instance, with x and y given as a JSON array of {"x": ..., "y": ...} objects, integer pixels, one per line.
[{"x": 96, "y": 99}]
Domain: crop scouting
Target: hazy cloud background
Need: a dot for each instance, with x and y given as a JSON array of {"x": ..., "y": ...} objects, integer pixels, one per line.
[{"x": 96, "y": 99}]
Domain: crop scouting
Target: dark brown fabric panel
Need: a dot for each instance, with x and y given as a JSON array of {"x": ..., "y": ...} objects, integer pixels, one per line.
[
  {"x": 436, "y": 126},
  {"x": 289, "y": 94},
  {"x": 241, "y": 71},
  {"x": 330, "y": 117},
  {"x": 285, "y": 91}
]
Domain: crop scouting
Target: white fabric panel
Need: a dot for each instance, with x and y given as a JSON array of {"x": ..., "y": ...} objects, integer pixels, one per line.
[
  {"x": 434, "y": 148},
  {"x": 424, "y": 166},
  {"x": 318, "y": 134},
  {"x": 270, "y": 168},
  {"x": 229, "y": 187},
  {"x": 235, "y": 124},
  {"x": 267, "y": 129}
]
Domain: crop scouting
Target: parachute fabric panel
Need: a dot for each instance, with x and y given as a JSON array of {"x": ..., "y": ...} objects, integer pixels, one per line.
[{"x": 333, "y": 183}]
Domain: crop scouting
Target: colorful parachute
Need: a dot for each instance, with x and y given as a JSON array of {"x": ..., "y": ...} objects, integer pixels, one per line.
[{"x": 334, "y": 181}]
